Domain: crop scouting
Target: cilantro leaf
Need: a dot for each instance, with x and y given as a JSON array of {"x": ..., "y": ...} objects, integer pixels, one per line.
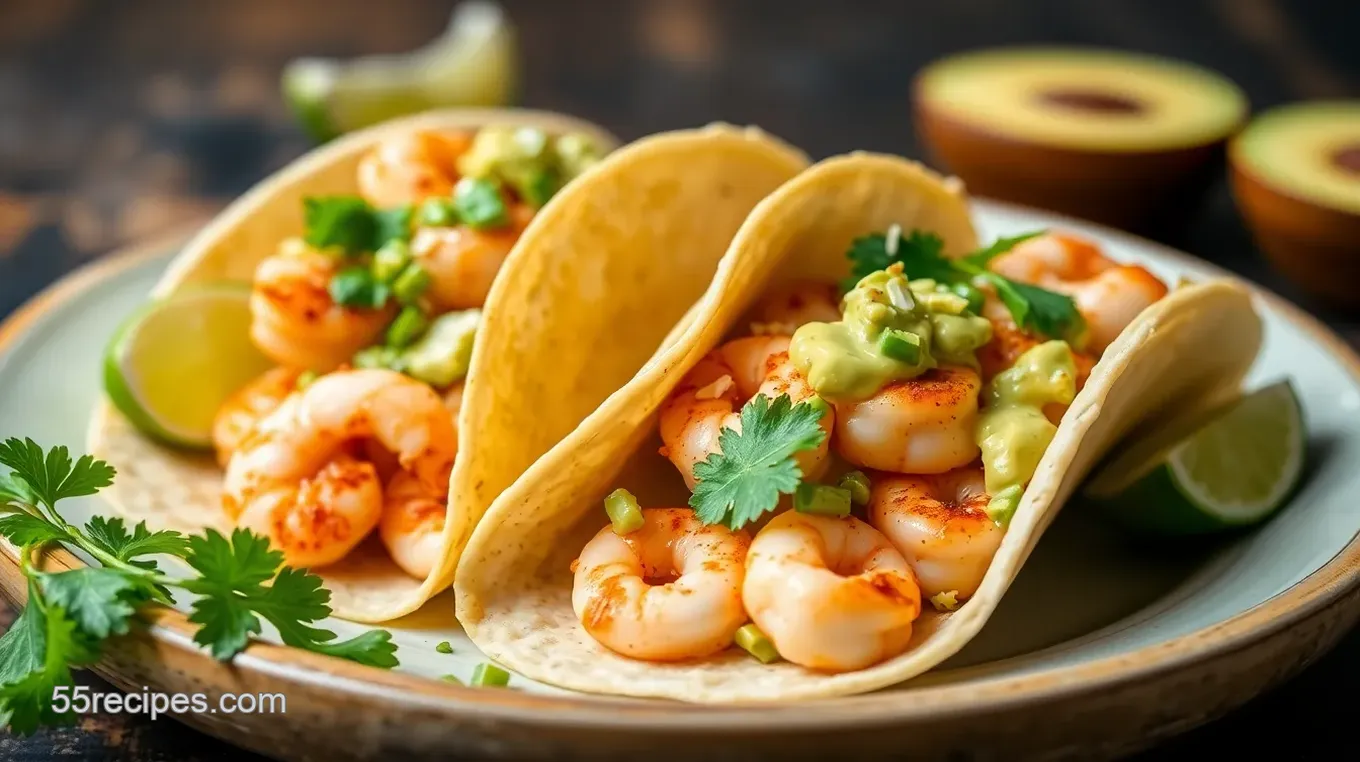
[
  {"x": 226, "y": 623},
  {"x": 55, "y": 477},
  {"x": 24, "y": 529},
  {"x": 479, "y": 204},
  {"x": 1041, "y": 310},
  {"x": 743, "y": 481},
  {"x": 372, "y": 648},
  {"x": 986, "y": 254},
  {"x": 36, "y": 656},
  {"x": 15, "y": 491},
  {"x": 921, "y": 254},
  {"x": 234, "y": 596},
  {"x": 343, "y": 222},
  {"x": 390, "y": 224},
  {"x": 295, "y": 598},
  {"x": 357, "y": 287},
  {"x": 23, "y": 647},
  {"x": 111, "y": 536},
  {"x": 99, "y": 600}
]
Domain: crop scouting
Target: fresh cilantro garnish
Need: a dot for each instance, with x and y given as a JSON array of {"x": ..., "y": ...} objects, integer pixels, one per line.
[
  {"x": 744, "y": 479},
  {"x": 922, "y": 256},
  {"x": 921, "y": 253},
  {"x": 240, "y": 582},
  {"x": 351, "y": 224},
  {"x": 392, "y": 224},
  {"x": 356, "y": 287},
  {"x": 478, "y": 203}
]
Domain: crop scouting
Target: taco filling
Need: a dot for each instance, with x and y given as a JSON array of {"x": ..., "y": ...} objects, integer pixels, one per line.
[
  {"x": 858, "y": 450},
  {"x": 370, "y": 316}
]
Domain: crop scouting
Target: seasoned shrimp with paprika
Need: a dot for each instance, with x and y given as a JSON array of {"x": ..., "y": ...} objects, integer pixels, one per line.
[
  {"x": 297, "y": 480},
  {"x": 237, "y": 417},
  {"x": 667, "y": 591},
  {"x": 294, "y": 320},
  {"x": 710, "y": 397},
  {"x": 463, "y": 261},
  {"x": 1108, "y": 295},
  {"x": 922, "y": 425},
  {"x": 831, "y": 594},
  {"x": 411, "y": 167},
  {"x": 939, "y": 522}
]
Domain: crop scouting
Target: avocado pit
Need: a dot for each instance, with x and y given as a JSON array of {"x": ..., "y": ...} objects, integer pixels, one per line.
[
  {"x": 1347, "y": 158},
  {"x": 1093, "y": 101}
]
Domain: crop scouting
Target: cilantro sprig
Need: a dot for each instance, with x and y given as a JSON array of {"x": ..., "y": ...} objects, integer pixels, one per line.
[
  {"x": 744, "y": 479},
  {"x": 922, "y": 256},
  {"x": 352, "y": 225},
  {"x": 239, "y": 581}
]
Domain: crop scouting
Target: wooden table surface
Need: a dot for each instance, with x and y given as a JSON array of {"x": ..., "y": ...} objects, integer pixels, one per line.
[{"x": 120, "y": 120}]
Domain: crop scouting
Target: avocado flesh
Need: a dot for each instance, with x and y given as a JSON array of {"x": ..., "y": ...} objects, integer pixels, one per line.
[
  {"x": 1308, "y": 151},
  {"x": 1085, "y": 99},
  {"x": 471, "y": 64}
]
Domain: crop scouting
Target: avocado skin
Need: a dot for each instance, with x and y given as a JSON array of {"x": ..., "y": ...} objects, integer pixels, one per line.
[
  {"x": 1147, "y": 192},
  {"x": 1316, "y": 247}
]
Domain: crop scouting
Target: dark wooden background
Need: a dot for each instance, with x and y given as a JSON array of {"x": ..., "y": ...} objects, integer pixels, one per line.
[{"x": 119, "y": 120}]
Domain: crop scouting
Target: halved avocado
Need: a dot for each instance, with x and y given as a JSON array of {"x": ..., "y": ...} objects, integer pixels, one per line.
[
  {"x": 1125, "y": 139},
  {"x": 473, "y": 64},
  {"x": 1296, "y": 177}
]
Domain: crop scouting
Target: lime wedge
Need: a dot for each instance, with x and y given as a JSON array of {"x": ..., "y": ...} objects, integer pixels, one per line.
[
  {"x": 472, "y": 64},
  {"x": 170, "y": 366},
  {"x": 1231, "y": 467}
]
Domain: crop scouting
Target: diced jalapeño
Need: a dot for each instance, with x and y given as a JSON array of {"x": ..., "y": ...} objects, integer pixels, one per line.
[
  {"x": 624, "y": 512},
  {"x": 821, "y": 500},
  {"x": 409, "y": 325},
  {"x": 757, "y": 643},
  {"x": 903, "y": 346}
]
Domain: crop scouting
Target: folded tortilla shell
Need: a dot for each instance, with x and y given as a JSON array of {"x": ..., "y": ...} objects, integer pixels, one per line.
[{"x": 599, "y": 279}]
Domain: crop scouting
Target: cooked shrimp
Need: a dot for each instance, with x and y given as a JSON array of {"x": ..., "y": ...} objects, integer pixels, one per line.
[
  {"x": 463, "y": 262},
  {"x": 710, "y": 396},
  {"x": 1108, "y": 295},
  {"x": 670, "y": 590},
  {"x": 786, "y": 308},
  {"x": 832, "y": 594},
  {"x": 412, "y": 525},
  {"x": 295, "y": 480},
  {"x": 940, "y": 524},
  {"x": 411, "y": 167},
  {"x": 246, "y": 406},
  {"x": 295, "y": 322},
  {"x": 922, "y": 425}
]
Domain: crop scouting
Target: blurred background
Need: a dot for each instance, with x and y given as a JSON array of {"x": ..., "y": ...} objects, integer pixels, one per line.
[{"x": 123, "y": 121}]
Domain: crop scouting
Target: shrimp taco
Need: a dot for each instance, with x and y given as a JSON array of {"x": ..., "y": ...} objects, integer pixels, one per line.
[
  {"x": 827, "y": 482},
  {"x": 429, "y": 300}
]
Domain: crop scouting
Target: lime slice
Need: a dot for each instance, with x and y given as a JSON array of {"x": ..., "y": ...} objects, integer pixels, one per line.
[
  {"x": 170, "y": 366},
  {"x": 472, "y": 64},
  {"x": 1233, "y": 466}
]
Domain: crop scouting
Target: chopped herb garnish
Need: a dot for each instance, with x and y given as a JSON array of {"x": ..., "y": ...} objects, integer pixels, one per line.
[
  {"x": 479, "y": 204},
  {"x": 922, "y": 256},
  {"x": 822, "y": 500},
  {"x": 239, "y": 581},
  {"x": 356, "y": 287},
  {"x": 744, "y": 479},
  {"x": 343, "y": 222},
  {"x": 392, "y": 225},
  {"x": 488, "y": 675},
  {"x": 444, "y": 647},
  {"x": 438, "y": 213},
  {"x": 352, "y": 225}
]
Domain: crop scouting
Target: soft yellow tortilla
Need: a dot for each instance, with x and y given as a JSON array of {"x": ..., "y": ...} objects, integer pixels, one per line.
[
  {"x": 513, "y": 585},
  {"x": 601, "y": 277}
]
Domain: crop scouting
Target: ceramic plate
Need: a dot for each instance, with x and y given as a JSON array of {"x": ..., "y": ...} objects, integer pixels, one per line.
[{"x": 1125, "y": 642}]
